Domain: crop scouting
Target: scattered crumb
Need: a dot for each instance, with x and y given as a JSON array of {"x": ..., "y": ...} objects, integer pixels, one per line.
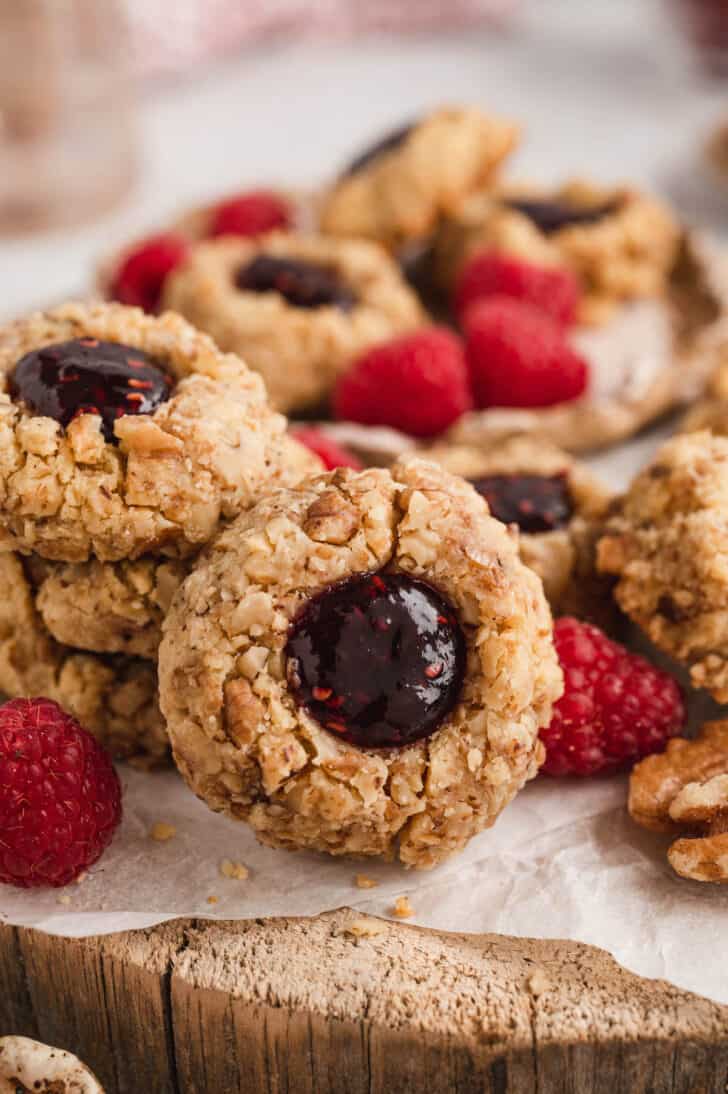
[
  {"x": 365, "y": 928},
  {"x": 213, "y": 899},
  {"x": 64, "y": 898},
  {"x": 161, "y": 831},
  {"x": 538, "y": 983},
  {"x": 234, "y": 870},
  {"x": 402, "y": 908},
  {"x": 364, "y": 882},
  {"x": 81, "y": 878}
]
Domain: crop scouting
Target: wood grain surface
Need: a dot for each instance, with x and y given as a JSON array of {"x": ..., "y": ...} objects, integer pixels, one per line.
[{"x": 350, "y": 1004}]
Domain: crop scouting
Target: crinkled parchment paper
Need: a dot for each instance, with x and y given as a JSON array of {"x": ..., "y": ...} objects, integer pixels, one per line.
[{"x": 563, "y": 861}]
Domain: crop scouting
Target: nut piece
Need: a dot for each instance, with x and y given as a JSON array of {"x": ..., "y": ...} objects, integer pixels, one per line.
[
  {"x": 685, "y": 789},
  {"x": 30, "y": 1065}
]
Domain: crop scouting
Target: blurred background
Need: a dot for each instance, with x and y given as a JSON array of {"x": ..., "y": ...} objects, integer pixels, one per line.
[{"x": 115, "y": 114}]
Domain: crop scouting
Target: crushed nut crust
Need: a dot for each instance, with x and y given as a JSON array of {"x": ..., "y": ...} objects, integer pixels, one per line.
[
  {"x": 398, "y": 196},
  {"x": 300, "y": 352},
  {"x": 685, "y": 790},
  {"x": 203, "y": 454},
  {"x": 118, "y": 607},
  {"x": 668, "y": 546},
  {"x": 248, "y": 749},
  {"x": 115, "y": 698}
]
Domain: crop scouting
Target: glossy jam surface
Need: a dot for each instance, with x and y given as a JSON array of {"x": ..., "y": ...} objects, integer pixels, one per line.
[
  {"x": 552, "y": 216},
  {"x": 387, "y": 144},
  {"x": 536, "y": 503},
  {"x": 303, "y": 284},
  {"x": 377, "y": 659},
  {"x": 87, "y": 376}
]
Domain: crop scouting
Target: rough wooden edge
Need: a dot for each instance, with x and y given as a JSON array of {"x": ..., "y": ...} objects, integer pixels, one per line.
[{"x": 348, "y": 1004}]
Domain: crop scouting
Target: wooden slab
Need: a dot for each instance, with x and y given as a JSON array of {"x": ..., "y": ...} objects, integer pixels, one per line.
[{"x": 350, "y": 1004}]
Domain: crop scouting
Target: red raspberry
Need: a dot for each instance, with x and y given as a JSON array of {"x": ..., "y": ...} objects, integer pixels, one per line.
[
  {"x": 333, "y": 454},
  {"x": 417, "y": 383},
  {"x": 60, "y": 798},
  {"x": 616, "y": 707},
  {"x": 140, "y": 278},
  {"x": 554, "y": 291},
  {"x": 251, "y": 214},
  {"x": 520, "y": 357}
]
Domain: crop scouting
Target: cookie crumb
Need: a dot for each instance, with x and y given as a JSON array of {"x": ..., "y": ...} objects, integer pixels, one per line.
[
  {"x": 162, "y": 832},
  {"x": 64, "y": 899},
  {"x": 364, "y": 882},
  {"x": 234, "y": 870},
  {"x": 538, "y": 983},
  {"x": 365, "y": 928},
  {"x": 81, "y": 877},
  {"x": 402, "y": 908},
  {"x": 213, "y": 899}
]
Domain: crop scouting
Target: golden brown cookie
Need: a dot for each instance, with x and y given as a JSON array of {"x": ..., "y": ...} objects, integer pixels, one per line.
[
  {"x": 667, "y": 544},
  {"x": 684, "y": 790},
  {"x": 361, "y": 665},
  {"x": 299, "y": 308},
  {"x": 118, "y": 607},
  {"x": 620, "y": 242},
  {"x": 115, "y": 698},
  {"x": 396, "y": 191},
  {"x": 558, "y": 505},
  {"x": 122, "y": 433}
]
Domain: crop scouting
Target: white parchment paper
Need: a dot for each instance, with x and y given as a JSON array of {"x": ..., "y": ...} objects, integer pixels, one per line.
[{"x": 563, "y": 861}]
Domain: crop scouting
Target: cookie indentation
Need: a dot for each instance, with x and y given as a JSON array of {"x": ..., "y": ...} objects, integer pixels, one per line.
[
  {"x": 303, "y": 284},
  {"x": 89, "y": 376},
  {"x": 552, "y": 216},
  {"x": 377, "y": 659},
  {"x": 536, "y": 503}
]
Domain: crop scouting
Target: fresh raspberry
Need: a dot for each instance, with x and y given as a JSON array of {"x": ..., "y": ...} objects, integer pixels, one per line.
[
  {"x": 140, "y": 278},
  {"x": 417, "y": 383},
  {"x": 520, "y": 357},
  {"x": 60, "y": 798},
  {"x": 552, "y": 290},
  {"x": 333, "y": 454},
  {"x": 251, "y": 214},
  {"x": 616, "y": 707}
]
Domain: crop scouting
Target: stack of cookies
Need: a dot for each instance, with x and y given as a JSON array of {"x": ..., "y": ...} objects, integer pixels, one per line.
[{"x": 125, "y": 441}]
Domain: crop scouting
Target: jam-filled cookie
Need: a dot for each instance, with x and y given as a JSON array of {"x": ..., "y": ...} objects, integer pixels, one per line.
[
  {"x": 121, "y": 434},
  {"x": 361, "y": 665},
  {"x": 558, "y": 506},
  {"x": 118, "y": 607},
  {"x": 620, "y": 242},
  {"x": 115, "y": 698},
  {"x": 667, "y": 544},
  {"x": 299, "y": 308},
  {"x": 136, "y": 273},
  {"x": 396, "y": 191}
]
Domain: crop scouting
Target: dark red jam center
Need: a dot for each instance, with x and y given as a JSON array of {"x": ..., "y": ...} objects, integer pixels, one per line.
[
  {"x": 86, "y": 376},
  {"x": 536, "y": 503},
  {"x": 303, "y": 284},
  {"x": 552, "y": 216},
  {"x": 374, "y": 151},
  {"x": 378, "y": 659}
]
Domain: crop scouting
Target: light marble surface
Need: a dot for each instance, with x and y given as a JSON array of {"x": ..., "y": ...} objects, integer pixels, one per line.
[{"x": 600, "y": 88}]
